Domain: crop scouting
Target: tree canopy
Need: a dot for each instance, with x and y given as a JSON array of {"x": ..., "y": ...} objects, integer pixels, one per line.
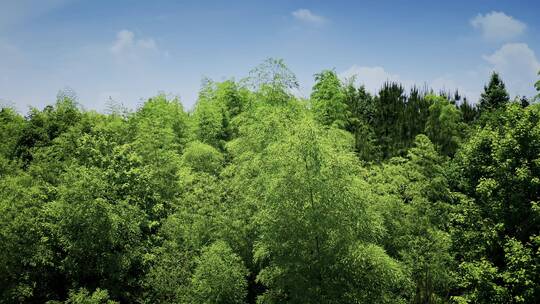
[{"x": 259, "y": 196}]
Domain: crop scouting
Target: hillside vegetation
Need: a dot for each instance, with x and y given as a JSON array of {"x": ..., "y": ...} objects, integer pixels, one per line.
[{"x": 258, "y": 196}]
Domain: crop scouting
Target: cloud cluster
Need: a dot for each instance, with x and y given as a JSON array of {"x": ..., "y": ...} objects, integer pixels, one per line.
[
  {"x": 518, "y": 66},
  {"x": 126, "y": 44},
  {"x": 515, "y": 62},
  {"x": 497, "y": 26},
  {"x": 307, "y": 16},
  {"x": 372, "y": 78}
]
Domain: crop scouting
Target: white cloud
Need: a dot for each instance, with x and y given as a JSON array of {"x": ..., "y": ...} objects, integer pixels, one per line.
[
  {"x": 497, "y": 26},
  {"x": 518, "y": 66},
  {"x": 307, "y": 16},
  {"x": 124, "y": 40},
  {"x": 371, "y": 77},
  {"x": 147, "y": 44},
  {"x": 126, "y": 44},
  {"x": 449, "y": 83}
]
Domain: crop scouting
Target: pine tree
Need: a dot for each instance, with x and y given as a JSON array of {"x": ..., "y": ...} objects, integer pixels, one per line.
[
  {"x": 469, "y": 111},
  {"x": 389, "y": 118},
  {"x": 359, "y": 121},
  {"x": 524, "y": 102},
  {"x": 495, "y": 95},
  {"x": 537, "y": 86},
  {"x": 417, "y": 112}
]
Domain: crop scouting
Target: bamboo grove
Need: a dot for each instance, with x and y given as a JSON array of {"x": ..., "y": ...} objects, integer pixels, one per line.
[{"x": 259, "y": 196}]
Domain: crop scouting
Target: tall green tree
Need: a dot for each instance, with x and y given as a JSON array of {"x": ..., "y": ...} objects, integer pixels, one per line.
[
  {"x": 160, "y": 124},
  {"x": 274, "y": 74},
  {"x": 469, "y": 111},
  {"x": 258, "y": 128},
  {"x": 411, "y": 196},
  {"x": 443, "y": 125},
  {"x": 97, "y": 242},
  {"x": 416, "y": 114},
  {"x": 232, "y": 96},
  {"x": 328, "y": 100},
  {"x": 83, "y": 296},
  {"x": 537, "y": 86},
  {"x": 11, "y": 126},
  {"x": 26, "y": 274},
  {"x": 44, "y": 126},
  {"x": 495, "y": 95},
  {"x": 315, "y": 229},
  {"x": 498, "y": 230},
  {"x": 219, "y": 277},
  {"x": 359, "y": 121},
  {"x": 389, "y": 119}
]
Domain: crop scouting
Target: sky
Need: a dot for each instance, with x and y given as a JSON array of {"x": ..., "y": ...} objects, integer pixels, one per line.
[{"x": 131, "y": 50}]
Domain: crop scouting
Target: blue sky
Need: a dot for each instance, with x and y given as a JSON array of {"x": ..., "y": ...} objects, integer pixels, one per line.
[{"x": 131, "y": 50}]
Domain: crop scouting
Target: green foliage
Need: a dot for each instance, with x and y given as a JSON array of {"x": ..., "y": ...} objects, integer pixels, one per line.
[
  {"x": 98, "y": 242},
  {"x": 167, "y": 279},
  {"x": 232, "y": 96},
  {"x": 82, "y": 296},
  {"x": 44, "y": 126},
  {"x": 396, "y": 118},
  {"x": 11, "y": 126},
  {"x": 443, "y": 124},
  {"x": 411, "y": 196},
  {"x": 310, "y": 213},
  {"x": 480, "y": 280},
  {"x": 328, "y": 100},
  {"x": 257, "y": 196},
  {"x": 202, "y": 158},
  {"x": 209, "y": 122},
  {"x": 390, "y": 103},
  {"x": 469, "y": 111},
  {"x": 495, "y": 95},
  {"x": 273, "y": 73},
  {"x": 219, "y": 276},
  {"x": 376, "y": 277},
  {"x": 359, "y": 122},
  {"x": 160, "y": 124},
  {"x": 26, "y": 255},
  {"x": 500, "y": 170},
  {"x": 537, "y": 86},
  {"x": 500, "y": 167}
]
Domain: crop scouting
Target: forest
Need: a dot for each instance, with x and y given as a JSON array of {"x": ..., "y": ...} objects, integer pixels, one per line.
[{"x": 257, "y": 195}]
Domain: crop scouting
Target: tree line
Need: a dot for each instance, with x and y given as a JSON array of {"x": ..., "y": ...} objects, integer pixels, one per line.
[{"x": 258, "y": 196}]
